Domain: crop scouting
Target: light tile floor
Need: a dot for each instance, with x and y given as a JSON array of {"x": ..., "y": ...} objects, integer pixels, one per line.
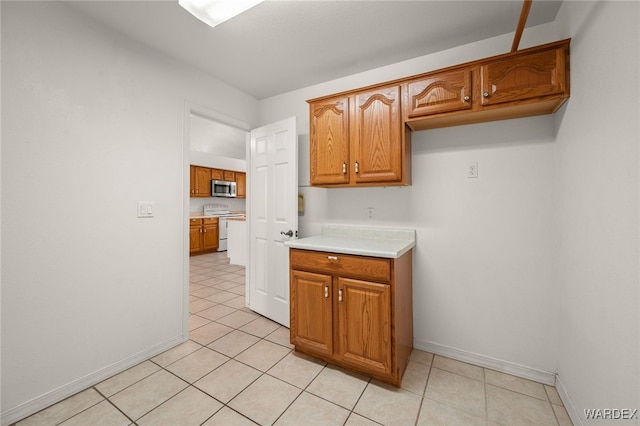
[{"x": 238, "y": 368}]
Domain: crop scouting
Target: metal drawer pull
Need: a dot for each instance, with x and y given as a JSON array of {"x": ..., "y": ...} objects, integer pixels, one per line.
[
  {"x": 332, "y": 257},
  {"x": 340, "y": 295},
  {"x": 357, "y": 167},
  {"x": 344, "y": 168},
  {"x": 326, "y": 291}
]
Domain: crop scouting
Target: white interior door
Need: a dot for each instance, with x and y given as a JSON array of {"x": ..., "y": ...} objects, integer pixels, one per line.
[{"x": 272, "y": 200}]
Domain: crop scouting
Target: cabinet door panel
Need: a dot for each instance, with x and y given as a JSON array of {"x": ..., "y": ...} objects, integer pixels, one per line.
[
  {"x": 195, "y": 245},
  {"x": 377, "y": 136},
  {"x": 203, "y": 182},
  {"x": 329, "y": 141},
  {"x": 523, "y": 77},
  {"x": 210, "y": 237},
  {"x": 312, "y": 311},
  {"x": 444, "y": 92},
  {"x": 217, "y": 174},
  {"x": 364, "y": 321},
  {"x": 241, "y": 182}
]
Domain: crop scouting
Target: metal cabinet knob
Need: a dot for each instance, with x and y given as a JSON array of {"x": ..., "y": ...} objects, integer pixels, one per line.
[
  {"x": 466, "y": 98},
  {"x": 485, "y": 94}
]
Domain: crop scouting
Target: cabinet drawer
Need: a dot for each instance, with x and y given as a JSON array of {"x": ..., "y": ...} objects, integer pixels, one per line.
[
  {"x": 195, "y": 222},
  {"x": 210, "y": 221},
  {"x": 344, "y": 264}
]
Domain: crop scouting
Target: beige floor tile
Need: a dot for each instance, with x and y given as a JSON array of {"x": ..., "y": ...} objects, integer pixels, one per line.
[
  {"x": 208, "y": 333},
  {"x": 456, "y": 391},
  {"x": 228, "y": 380},
  {"x": 64, "y": 410},
  {"x": 128, "y": 377},
  {"x": 228, "y": 417},
  {"x": 263, "y": 355},
  {"x": 281, "y": 336},
  {"x": 191, "y": 407},
  {"x": 240, "y": 280},
  {"x": 421, "y": 356},
  {"x": 265, "y": 399},
  {"x": 205, "y": 292},
  {"x": 388, "y": 405},
  {"x": 216, "y": 312},
  {"x": 260, "y": 327},
  {"x": 197, "y": 364},
  {"x": 308, "y": 409},
  {"x": 222, "y": 297},
  {"x": 458, "y": 367},
  {"x": 561, "y": 415},
  {"x": 516, "y": 384},
  {"x": 415, "y": 377},
  {"x": 233, "y": 343},
  {"x": 174, "y": 354},
  {"x": 195, "y": 287},
  {"x": 101, "y": 414},
  {"x": 196, "y": 322},
  {"x": 552, "y": 394},
  {"x": 200, "y": 305},
  {"x": 226, "y": 286},
  {"x": 228, "y": 277},
  {"x": 433, "y": 413},
  {"x": 237, "y": 319},
  {"x": 145, "y": 395},
  {"x": 238, "y": 302},
  {"x": 297, "y": 369},
  {"x": 339, "y": 386},
  {"x": 512, "y": 408},
  {"x": 357, "y": 420},
  {"x": 241, "y": 289}
]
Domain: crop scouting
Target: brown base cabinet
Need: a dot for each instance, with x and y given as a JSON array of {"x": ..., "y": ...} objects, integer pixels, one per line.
[
  {"x": 353, "y": 311},
  {"x": 203, "y": 235}
]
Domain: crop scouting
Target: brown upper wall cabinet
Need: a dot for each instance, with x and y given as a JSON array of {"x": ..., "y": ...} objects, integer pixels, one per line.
[
  {"x": 520, "y": 84},
  {"x": 363, "y": 137},
  {"x": 358, "y": 139}
]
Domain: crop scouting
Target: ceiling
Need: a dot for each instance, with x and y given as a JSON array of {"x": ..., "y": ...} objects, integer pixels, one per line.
[{"x": 283, "y": 45}]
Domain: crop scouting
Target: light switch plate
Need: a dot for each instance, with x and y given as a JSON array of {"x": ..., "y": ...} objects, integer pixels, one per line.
[{"x": 145, "y": 209}]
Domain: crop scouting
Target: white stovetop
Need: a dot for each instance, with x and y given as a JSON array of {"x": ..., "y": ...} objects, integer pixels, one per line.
[{"x": 359, "y": 240}]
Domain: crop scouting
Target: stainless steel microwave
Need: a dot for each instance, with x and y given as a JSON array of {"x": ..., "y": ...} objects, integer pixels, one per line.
[{"x": 222, "y": 188}]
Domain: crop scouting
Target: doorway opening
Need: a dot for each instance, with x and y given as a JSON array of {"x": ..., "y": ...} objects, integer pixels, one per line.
[{"x": 213, "y": 140}]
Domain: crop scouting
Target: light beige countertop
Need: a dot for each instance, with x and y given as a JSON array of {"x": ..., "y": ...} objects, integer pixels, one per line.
[
  {"x": 200, "y": 215},
  {"x": 359, "y": 240}
]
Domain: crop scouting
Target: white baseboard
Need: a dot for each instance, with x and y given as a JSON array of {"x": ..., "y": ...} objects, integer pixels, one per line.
[
  {"x": 56, "y": 395},
  {"x": 576, "y": 419},
  {"x": 546, "y": 377}
]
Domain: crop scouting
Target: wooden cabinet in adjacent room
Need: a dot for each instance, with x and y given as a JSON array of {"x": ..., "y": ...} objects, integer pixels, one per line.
[
  {"x": 217, "y": 174},
  {"x": 200, "y": 181},
  {"x": 241, "y": 185},
  {"x": 353, "y": 311},
  {"x": 203, "y": 235},
  {"x": 358, "y": 139}
]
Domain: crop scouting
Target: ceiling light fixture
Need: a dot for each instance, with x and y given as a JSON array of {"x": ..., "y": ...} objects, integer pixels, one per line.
[{"x": 214, "y": 12}]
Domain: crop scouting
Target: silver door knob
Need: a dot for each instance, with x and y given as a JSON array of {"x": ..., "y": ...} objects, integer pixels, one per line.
[{"x": 289, "y": 233}]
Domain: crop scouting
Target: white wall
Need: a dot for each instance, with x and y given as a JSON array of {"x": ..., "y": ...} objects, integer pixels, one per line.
[
  {"x": 91, "y": 124},
  {"x": 598, "y": 212}
]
